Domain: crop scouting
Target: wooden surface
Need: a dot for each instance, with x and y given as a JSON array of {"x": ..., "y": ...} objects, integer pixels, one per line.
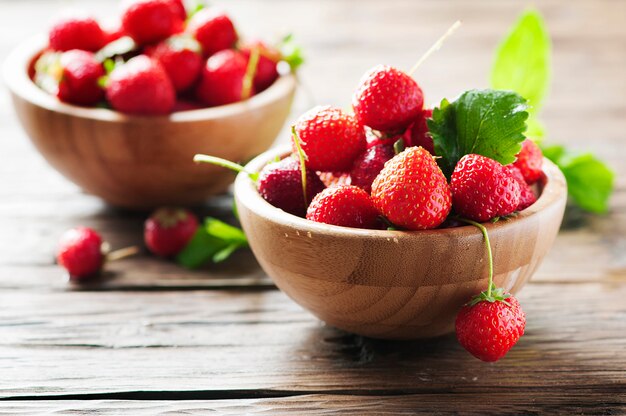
[{"x": 154, "y": 339}]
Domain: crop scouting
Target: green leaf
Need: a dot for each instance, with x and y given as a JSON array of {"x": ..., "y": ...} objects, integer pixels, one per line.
[
  {"x": 522, "y": 61},
  {"x": 291, "y": 52},
  {"x": 117, "y": 48},
  {"x": 487, "y": 122}
]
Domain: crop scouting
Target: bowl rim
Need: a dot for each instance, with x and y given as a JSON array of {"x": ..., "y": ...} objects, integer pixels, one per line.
[
  {"x": 15, "y": 74},
  {"x": 554, "y": 191}
]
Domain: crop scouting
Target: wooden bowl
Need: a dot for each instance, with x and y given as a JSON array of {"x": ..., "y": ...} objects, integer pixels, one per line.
[
  {"x": 394, "y": 284},
  {"x": 144, "y": 162}
]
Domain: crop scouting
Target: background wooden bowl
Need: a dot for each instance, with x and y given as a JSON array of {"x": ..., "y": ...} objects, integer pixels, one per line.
[
  {"x": 394, "y": 284},
  {"x": 144, "y": 162}
]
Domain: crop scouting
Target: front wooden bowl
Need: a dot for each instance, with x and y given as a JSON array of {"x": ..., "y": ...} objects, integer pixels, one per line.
[
  {"x": 144, "y": 162},
  {"x": 394, "y": 284}
]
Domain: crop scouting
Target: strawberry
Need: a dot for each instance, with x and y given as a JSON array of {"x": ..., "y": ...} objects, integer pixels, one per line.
[
  {"x": 482, "y": 189},
  {"x": 178, "y": 7},
  {"x": 168, "y": 230},
  {"x": 181, "y": 58},
  {"x": 527, "y": 196},
  {"x": 280, "y": 184},
  {"x": 80, "y": 252},
  {"x": 222, "y": 78},
  {"x": 369, "y": 164},
  {"x": 140, "y": 86},
  {"x": 529, "y": 161},
  {"x": 76, "y": 32},
  {"x": 346, "y": 206},
  {"x": 331, "y": 139},
  {"x": 418, "y": 132},
  {"x": 148, "y": 21},
  {"x": 72, "y": 76},
  {"x": 113, "y": 33},
  {"x": 213, "y": 29},
  {"x": 411, "y": 191},
  {"x": 488, "y": 329},
  {"x": 335, "y": 178},
  {"x": 266, "y": 70},
  {"x": 387, "y": 99}
]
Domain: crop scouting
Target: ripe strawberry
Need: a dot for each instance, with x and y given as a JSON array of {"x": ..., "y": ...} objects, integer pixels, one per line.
[
  {"x": 387, "y": 99},
  {"x": 482, "y": 189},
  {"x": 179, "y": 8},
  {"x": 280, "y": 184},
  {"x": 266, "y": 70},
  {"x": 335, "y": 178},
  {"x": 411, "y": 191},
  {"x": 527, "y": 196},
  {"x": 330, "y": 138},
  {"x": 140, "y": 86},
  {"x": 347, "y": 206},
  {"x": 113, "y": 33},
  {"x": 489, "y": 329},
  {"x": 148, "y": 21},
  {"x": 213, "y": 29},
  {"x": 369, "y": 164},
  {"x": 80, "y": 252},
  {"x": 168, "y": 230},
  {"x": 181, "y": 58},
  {"x": 529, "y": 161},
  {"x": 222, "y": 77},
  {"x": 418, "y": 132},
  {"x": 76, "y": 32}
]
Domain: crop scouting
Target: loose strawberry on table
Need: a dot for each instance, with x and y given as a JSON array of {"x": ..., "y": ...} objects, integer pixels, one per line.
[
  {"x": 80, "y": 252},
  {"x": 168, "y": 230}
]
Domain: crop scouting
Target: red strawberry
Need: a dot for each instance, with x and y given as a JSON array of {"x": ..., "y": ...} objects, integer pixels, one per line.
[
  {"x": 76, "y": 33},
  {"x": 489, "y": 329},
  {"x": 387, "y": 99},
  {"x": 482, "y": 189},
  {"x": 222, "y": 78},
  {"x": 529, "y": 161},
  {"x": 179, "y": 8},
  {"x": 266, "y": 70},
  {"x": 418, "y": 132},
  {"x": 148, "y": 21},
  {"x": 335, "y": 179},
  {"x": 140, "y": 86},
  {"x": 181, "y": 58},
  {"x": 213, "y": 29},
  {"x": 527, "y": 196},
  {"x": 347, "y": 206},
  {"x": 80, "y": 252},
  {"x": 168, "y": 230},
  {"x": 113, "y": 33},
  {"x": 411, "y": 191},
  {"x": 280, "y": 184},
  {"x": 369, "y": 164},
  {"x": 330, "y": 138}
]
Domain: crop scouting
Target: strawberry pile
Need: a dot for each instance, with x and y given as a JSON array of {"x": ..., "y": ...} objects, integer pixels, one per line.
[{"x": 159, "y": 58}]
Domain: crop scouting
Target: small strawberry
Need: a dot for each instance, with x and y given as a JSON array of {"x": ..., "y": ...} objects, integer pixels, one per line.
[
  {"x": 76, "y": 32},
  {"x": 149, "y": 21},
  {"x": 482, "y": 189},
  {"x": 80, "y": 252},
  {"x": 369, "y": 164},
  {"x": 267, "y": 70},
  {"x": 140, "y": 86},
  {"x": 346, "y": 206},
  {"x": 529, "y": 161},
  {"x": 72, "y": 76},
  {"x": 331, "y": 139},
  {"x": 418, "y": 132},
  {"x": 527, "y": 196},
  {"x": 222, "y": 78},
  {"x": 213, "y": 29},
  {"x": 179, "y": 8},
  {"x": 411, "y": 191},
  {"x": 168, "y": 230},
  {"x": 387, "y": 99},
  {"x": 181, "y": 57}
]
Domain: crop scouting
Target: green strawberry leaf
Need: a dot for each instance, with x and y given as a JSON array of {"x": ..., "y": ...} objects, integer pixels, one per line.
[
  {"x": 214, "y": 241},
  {"x": 589, "y": 181},
  {"x": 291, "y": 52},
  {"x": 486, "y": 122},
  {"x": 117, "y": 48}
]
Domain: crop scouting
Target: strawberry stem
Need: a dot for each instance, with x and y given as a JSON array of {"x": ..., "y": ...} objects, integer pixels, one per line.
[
  {"x": 218, "y": 161},
  {"x": 248, "y": 78},
  {"x": 483, "y": 230},
  {"x": 435, "y": 46},
  {"x": 302, "y": 157},
  {"x": 122, "y": 253}
]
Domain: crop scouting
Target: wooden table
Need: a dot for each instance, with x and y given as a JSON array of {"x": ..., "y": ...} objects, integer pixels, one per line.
[{"x": 154, "y": 338}]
